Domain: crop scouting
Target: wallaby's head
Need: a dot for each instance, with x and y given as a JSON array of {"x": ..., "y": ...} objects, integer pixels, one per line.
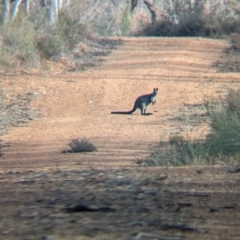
[{"x": 155, "y": 91}]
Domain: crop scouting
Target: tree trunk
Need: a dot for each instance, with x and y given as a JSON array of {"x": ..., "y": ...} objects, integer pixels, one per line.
[
  {"x": 6, "y": 11},
  {"x": 173, "y": 11},
  {"x": 54, "y": 11},
  {"x": 133, "y": 4},
  {"x": 27, "y": 6},
  {"x": 15, "y": 8},
  {"x": 60, "y": 4},
  {"x": 67, "y": 2},
  {"x": 43, "y": 3},
  {"x": 152, "y": 11}
]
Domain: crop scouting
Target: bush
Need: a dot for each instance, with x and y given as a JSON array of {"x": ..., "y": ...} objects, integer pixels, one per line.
[
  {"x": 222, "y": 144},
  {"x": 83, "y": 145},
  {"x": 235, "y": 41},
  {"x": 18, "y": 45},
  {"x": 28, "y": 39},
  {"x": 225, "y": 137},
  {"x": 230, "y": 61},
  {"x": 24, "y": 42},
  {"x": 55, "y": 40},
  {"x": 50, "y": 44}
]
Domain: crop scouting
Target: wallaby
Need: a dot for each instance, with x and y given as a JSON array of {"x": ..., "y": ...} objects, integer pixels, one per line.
[{"x": 142, "y": 103}]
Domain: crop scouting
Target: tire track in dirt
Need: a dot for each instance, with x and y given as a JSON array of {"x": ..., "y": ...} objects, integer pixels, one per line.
[{"x": 79, "y": 104}]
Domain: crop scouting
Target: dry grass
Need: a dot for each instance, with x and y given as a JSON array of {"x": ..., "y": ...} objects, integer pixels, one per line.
[{"x": 80, "y": 145}]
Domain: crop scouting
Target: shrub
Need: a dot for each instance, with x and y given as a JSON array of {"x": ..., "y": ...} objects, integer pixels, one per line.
[
  {"x": 27, "y": 39},
  {"x": 235, "y": 41},
  {"x": 225, "y": 137},
  {"x": 231, "y": 59},
  {"x": 54, "y": 40},
  {"x": 50, "y": 43},
  {"x": 83, "y": 145},
  {"x": 18, "y": 44}
]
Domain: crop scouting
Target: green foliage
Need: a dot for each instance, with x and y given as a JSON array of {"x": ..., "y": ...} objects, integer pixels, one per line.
[{"x": 222, "y": 144}]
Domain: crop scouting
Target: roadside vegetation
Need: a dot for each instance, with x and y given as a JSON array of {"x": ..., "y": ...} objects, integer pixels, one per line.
[
  {"x": 30, "y": 39},
  {"x": 221, "y": 145},
  {"x": 230, "y": 61}
]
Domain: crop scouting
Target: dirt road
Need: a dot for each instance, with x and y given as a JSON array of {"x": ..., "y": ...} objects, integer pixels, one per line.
[
  {"x": 38, "y": 181},
  {"x": 79, "y": 105}
]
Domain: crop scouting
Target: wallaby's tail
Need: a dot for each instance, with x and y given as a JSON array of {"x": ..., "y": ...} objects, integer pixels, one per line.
[{"x": 127, "y": 112}]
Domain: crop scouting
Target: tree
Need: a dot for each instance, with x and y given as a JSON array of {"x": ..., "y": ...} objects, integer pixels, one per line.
[
  {"x": 54, "y": 11},
  {"x": 15, "y": 8},
  {"x": 6, "y": 11},
  {"x": 133, "y": 4},
  {"x": 67, "y": 2},
  {"x": 43, "y": 3},
  {"x": 7, "y": 8},
  {"x": 27, "y": 6},
  {"x": 55, "y": 6},
  {"x": 60, "y": 3},
  {"x": 152, "y": 11}
]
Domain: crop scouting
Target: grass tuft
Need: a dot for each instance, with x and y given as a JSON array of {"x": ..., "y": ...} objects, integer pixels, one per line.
[{"x": 225, "y": 137}]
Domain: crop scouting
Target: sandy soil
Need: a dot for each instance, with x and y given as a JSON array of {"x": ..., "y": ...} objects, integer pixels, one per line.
[{"x": 39, "y": 184}]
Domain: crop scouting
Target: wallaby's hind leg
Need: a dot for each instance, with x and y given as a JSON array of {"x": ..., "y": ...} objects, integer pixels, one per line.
[{"x": 143, "y": 110}]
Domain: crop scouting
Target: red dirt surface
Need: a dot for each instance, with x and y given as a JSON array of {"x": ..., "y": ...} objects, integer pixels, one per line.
[{"x": 38, "y": 182}]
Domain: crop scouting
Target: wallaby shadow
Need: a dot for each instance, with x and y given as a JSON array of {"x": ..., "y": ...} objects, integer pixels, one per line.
[{"x": 147, "y": 114}]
